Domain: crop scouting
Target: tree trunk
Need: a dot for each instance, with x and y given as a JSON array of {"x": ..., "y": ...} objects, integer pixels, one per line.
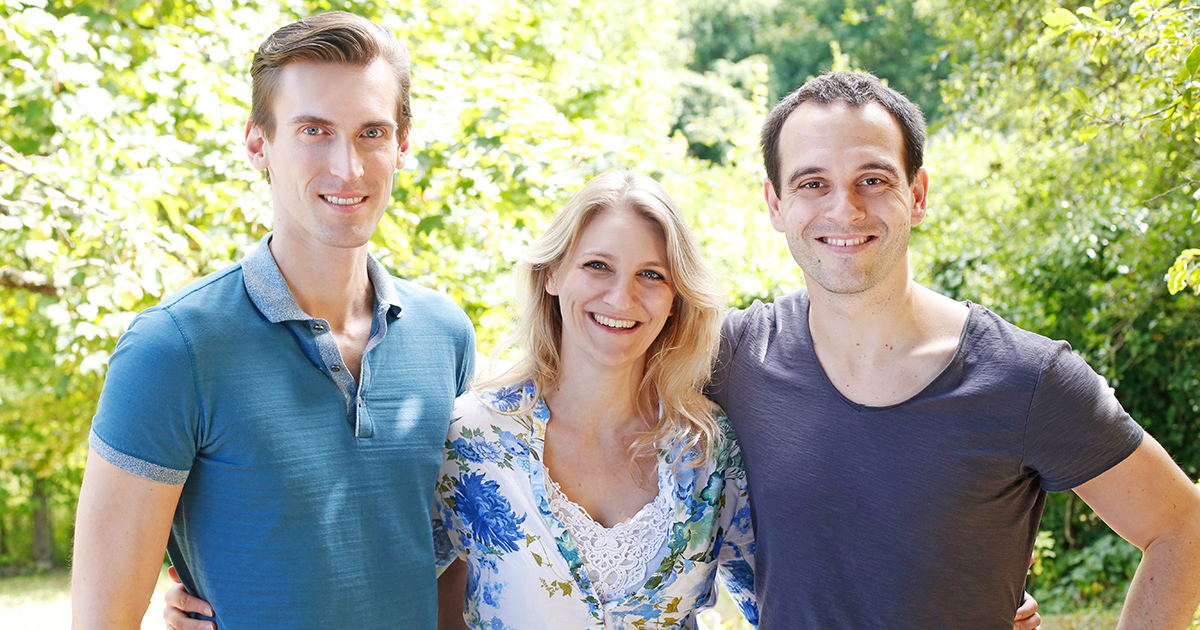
[{"x": 43, "y": 535}]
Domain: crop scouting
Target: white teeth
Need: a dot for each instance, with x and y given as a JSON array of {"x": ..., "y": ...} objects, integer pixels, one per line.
[
  {"x": 343, "y": 201},
  {"x": 839, "y": 242},
  {"x": 613, "y": 323}
]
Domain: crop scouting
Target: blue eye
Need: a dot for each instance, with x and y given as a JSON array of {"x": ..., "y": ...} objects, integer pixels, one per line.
[
  {"x": 595, "y": 264},
  {"x": 374, "y": 132},
  {"x": 653, "y": 275},
  {"x": 311, "y": 131}
]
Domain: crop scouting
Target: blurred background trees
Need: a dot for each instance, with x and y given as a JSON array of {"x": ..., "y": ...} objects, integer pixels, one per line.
[{"x": 1063, "y": 155}]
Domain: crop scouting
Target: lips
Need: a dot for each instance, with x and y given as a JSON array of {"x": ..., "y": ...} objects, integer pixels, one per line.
[
  {"x": 342, "y": 201},
  {"x": 616, "y": 324},
  {"x": 844, "y": 242}
]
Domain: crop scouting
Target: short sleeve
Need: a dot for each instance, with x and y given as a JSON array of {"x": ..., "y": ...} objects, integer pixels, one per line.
[
  {"x": 731, "y": 331},
  {"x": 735, "y": 553},
  {"x": 466, "y": 368},
  {"x": 1076, "y": 428},
  {"x": 147, "y": 419}
]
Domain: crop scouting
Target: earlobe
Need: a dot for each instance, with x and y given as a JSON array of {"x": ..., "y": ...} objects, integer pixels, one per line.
[
  {"x": 920, "y": 191},
  {"x": 773, "y": 205},
  {"x": 256, "y": 146},
  {"x": 402, "y": 155},
  {"x": 551, "y": 284}
]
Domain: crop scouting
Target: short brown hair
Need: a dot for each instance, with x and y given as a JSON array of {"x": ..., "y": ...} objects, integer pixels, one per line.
[
  {"x": 856, "y": 89},
  {"x": 334, "y": 37}
]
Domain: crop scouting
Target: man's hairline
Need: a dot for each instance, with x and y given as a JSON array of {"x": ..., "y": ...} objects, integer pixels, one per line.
[
  {"x": 779, "y": 186},
  {"x": 270, "y": 134}
]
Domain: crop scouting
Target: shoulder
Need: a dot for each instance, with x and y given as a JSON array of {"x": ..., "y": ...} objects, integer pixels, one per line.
[
  {"x": 215, "y": 293},
  {"x": 427, "y": 302},
  {"x": 765, "y": 315},
  {"x": 726, "y": 452},
  {"x": 991, "y": 333},
  {"x": 169, "y": 329},
  {"x": 485, "y": 409}
]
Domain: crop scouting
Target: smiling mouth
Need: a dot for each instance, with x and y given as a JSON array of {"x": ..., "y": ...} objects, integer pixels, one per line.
[
  {"x": 616, "y": 324},
  {"x": 845, "y": 242},
  {"x": 342, "y": 201}
]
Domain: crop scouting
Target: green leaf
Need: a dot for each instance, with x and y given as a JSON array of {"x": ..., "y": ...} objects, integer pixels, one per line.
[
  {"x": 1060, "y": 17},
  {"x": 1193, "y": 60}
]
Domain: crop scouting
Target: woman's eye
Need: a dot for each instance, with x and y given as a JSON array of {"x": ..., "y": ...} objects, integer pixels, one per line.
[
  {"x": 653, "y": 275},
  {"x": 595, "y": 264}
]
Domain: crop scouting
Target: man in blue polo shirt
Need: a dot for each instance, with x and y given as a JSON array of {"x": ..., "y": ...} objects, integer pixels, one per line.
[{"x": 277, "y": 425}]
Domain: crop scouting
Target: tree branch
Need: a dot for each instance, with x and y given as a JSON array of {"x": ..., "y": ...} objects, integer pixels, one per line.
[{"x": 14, "y": 278}]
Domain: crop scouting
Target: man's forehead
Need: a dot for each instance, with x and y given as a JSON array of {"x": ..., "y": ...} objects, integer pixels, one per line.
[
  {"x": 311, "y": 88},
  {"x": 838, "y": 127}
]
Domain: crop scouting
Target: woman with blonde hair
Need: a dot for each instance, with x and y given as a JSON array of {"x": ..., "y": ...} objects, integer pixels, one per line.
[{"x": 592, "y": 484}]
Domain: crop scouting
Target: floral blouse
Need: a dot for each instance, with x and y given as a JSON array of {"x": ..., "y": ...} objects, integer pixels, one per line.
[{"x": 523, "y": 567}]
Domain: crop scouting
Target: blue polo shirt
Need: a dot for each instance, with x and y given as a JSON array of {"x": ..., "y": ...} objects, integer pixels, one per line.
[{"x": 306, "y": 499}]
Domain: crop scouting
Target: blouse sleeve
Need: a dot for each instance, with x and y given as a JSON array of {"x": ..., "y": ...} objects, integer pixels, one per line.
[
  {"x": 735, "y": 553},
  {"x": 447, "y": 522}
]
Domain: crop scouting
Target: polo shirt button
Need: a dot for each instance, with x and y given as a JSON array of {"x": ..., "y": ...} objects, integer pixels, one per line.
[
  {"x": 335, "y": 368},
  {"x": 318, "y": 328},
  {"x": 361, "y": 402}
]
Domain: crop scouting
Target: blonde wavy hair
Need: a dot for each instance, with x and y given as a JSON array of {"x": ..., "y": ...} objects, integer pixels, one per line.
[{"x": 678, "y": 362}]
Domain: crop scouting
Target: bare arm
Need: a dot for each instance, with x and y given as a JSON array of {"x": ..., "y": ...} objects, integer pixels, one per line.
[
  {"x": 121, "y": 530},
  {"x": 1151, "y": 503},
  {"x": 452, "y": 592}
]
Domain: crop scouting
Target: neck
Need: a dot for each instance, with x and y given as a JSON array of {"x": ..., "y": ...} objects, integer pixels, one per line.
[
  {"x": 328, "y": 283},
  {"x": 870, "y": 322},
  {"x": 598, "y": 402}
]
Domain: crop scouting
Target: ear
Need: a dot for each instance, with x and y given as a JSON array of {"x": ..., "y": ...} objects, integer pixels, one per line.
[
  {"x": 920, "y": 192},
  {"x": 402, "y": 154},
  {"x": 552, "y": 283},
  {"x": 773, "y": 205},
  {"x": 256, "y": 146}
]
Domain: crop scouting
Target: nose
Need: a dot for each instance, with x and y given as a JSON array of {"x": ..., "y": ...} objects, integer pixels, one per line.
[
  {"x": 846, "y": 207},
  {"x": 345, "y": 163},
  {"x": 621, "y": 294}
]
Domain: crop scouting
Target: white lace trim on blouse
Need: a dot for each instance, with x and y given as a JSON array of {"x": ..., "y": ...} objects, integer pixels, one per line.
[{"x": 618, "y": 559}]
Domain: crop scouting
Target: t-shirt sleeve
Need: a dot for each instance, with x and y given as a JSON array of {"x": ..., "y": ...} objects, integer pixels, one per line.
[
  {"x": 1076, "y": 428},
  {"x": 731, "y": 332},
  {"x": 147, "y": 418}
]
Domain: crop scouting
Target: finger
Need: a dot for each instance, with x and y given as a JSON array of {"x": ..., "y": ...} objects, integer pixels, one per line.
[
  {"x": 1029, "y": 623},
  {"x": 177, "y": 597},
  {"x": 177, "y": 620},
  {"x": 1028, "y": 608},
  {"x": 174, "y": 575}
]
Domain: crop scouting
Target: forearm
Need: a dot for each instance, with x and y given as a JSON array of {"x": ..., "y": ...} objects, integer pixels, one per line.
[{"x": 1165, "y": 592}]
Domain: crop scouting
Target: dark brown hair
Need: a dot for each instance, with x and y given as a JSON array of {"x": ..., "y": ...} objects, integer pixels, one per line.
[
  {"x": 334, "y": 37},
  {"x": 855, "y": 89}
]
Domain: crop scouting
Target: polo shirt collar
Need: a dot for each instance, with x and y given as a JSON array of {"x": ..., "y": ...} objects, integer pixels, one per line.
[{"x": 273, "y": 298}]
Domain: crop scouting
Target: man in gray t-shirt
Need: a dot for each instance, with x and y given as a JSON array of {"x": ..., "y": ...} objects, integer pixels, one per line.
[{"x": 899, "y": 444}]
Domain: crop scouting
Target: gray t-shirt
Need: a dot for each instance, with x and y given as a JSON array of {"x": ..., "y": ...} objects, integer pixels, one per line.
[{"x": 916, "y": 515}]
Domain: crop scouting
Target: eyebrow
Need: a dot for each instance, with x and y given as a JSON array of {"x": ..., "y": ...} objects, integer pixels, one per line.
[
  {"x": 324, "y": 122},
  {"x": 869, "y": 166}
]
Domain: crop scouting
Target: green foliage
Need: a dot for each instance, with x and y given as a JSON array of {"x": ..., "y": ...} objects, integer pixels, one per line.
[
  {"x": 1062, "y": 191},
  {"x": 897, "y": 41},
  {"x": 122, "y": 177}
]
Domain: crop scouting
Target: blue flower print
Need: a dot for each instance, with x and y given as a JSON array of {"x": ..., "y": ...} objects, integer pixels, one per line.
[
  {"x": 487, "y": 512},
  {"x": 478, "y": 450},
  {"x": 518, "y": 448},
  {"x": 505, "y": 399}
]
